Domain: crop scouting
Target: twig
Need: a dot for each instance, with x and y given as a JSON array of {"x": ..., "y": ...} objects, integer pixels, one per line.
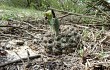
[
  {"x": 96, "y": 24},
  {"x": 29, "y": 25},
  {"x": 63, "y": 16},
  {"x": 39, "y": 30},
  {"x": 19, "y": 60},
  {"x": 28, "y": 55},
  {"x": 24, "y": 23},
  {"x": 81, "y": 26},
  {"x": 9, "y": 26},
  {"x": 9, "y": 35},
  {"x": 28, "y": 61},
  {"x": 102, "y": 11},
  {"x": 30, "y": 34},
  {"x": 71, "y": 13},
  {"x": 106, "y": 4}
]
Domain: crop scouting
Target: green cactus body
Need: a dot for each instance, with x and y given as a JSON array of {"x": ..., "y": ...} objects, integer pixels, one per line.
[
  {"x": 52, "y": 21},
  {"x": 54, "y": 24}
]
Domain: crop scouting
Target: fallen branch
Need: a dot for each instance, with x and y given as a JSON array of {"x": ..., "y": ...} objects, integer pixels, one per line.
[
  {"x": 9, "y": 35},
  {"x": 9, "y": 26},
  {"x": 19, "y": 60},
  {"x": 107, "y": 25},
  {"x": 71, "y": 13},
  {"x": 105, "y": 4},
  {"x": 35, "y": 28},
  {"x": 102, "y": 11},
  {"x": 30, "y": 34}
]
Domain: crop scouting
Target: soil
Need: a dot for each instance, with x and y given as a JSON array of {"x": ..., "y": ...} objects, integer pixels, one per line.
[{"x": 77, "y": 47}]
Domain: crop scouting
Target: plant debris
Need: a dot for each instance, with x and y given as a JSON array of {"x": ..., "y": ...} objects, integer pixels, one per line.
[{"x": 77, "y": 47}]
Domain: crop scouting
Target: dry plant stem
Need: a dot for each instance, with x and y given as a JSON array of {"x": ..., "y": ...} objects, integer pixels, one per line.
[
  {"x": 28, "y": 55},
  {"x": 86, "y": 27},
  {"x": 102, "y": 63},
  {"x": 44, "y": 63},
  {"x": 29, "y": 25},
  {"x": 26, "y": 67},
  {"x": 103, "y": 40},
  {"x": 35, "y": 29},
  {"x": 30, "y": 34},
  {"x": 19, "y": 60},
  {"x": 71, "y": 13},
  {"x": 102, "y": 11},
  {"x": 38, "y": 30},
  {"x": 9, "y": 35},
  {"x": 106, "y": 4},
  {"x": 63, "y": 16},
  {"x": 93, "y": 5},
  {"x": 24, "y": 23},
  {"x": 96, "y": 24},
  {"x": 10, "y": 26}
]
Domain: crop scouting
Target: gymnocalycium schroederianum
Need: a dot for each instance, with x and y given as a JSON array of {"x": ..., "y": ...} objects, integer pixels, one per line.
[{"x": 52, "y": 21}]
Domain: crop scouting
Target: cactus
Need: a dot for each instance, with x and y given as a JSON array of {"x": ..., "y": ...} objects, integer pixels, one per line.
[{"x": 52, "y": 21}]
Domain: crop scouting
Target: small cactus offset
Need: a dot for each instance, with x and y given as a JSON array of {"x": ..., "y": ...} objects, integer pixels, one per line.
[{"x": 52, "y": 21}]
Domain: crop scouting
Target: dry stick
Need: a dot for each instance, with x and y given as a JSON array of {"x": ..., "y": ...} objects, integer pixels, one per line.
[
  {"x": 102, "y": 11},
  {"x": 101, "y": 63},
  {"x": 28, "y": 55},
  {"x": 81, "y": 15},
  {"x": 86, "y": 11},
  {"x": 24, "y": 23},
  {"x": 19, "y": 60},
  {"x": 30, "y": 25},
  {"x": 86, "y": 27},
  {"x": 30, "y": 34},
  {"x": 63, "y": 16},
  {"x": 96, "y": 24},
  {"x": 71, "y": 13},
  {"x": 9, "y": 35},
  {"x": 106, "y": 4},
  {"x": 83, "y": 25},
  {"x": 28, "y": 61},
  {"x": 9, "y": 26},
  {"x": 92, "y": 5}
]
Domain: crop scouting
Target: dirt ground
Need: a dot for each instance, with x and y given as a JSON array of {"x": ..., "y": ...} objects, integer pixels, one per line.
[{"x": 30, "y": 45}]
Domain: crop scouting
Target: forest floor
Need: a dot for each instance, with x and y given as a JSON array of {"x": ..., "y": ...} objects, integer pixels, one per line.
[{"x": 23, "y": 47}]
